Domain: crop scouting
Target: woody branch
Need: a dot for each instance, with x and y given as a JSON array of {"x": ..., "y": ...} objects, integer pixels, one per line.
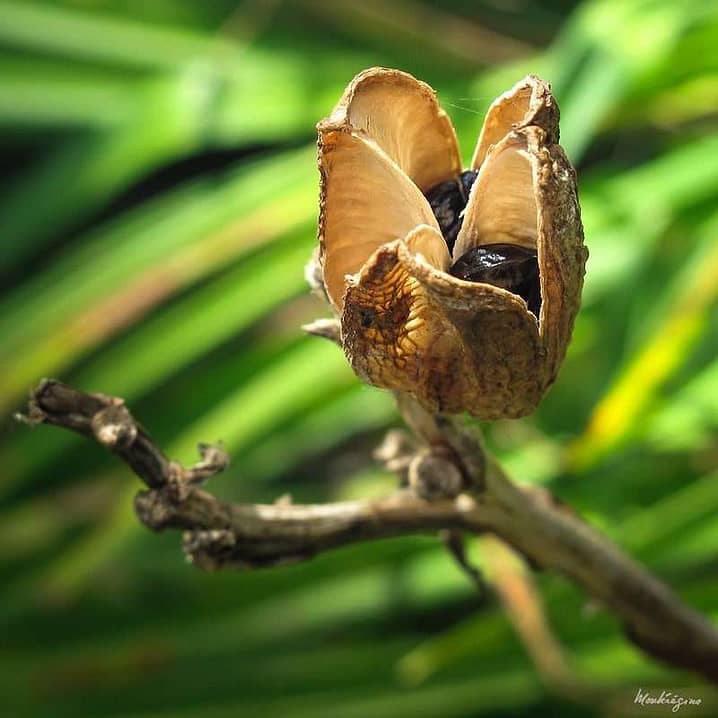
[{"x": 222, "y": 535}]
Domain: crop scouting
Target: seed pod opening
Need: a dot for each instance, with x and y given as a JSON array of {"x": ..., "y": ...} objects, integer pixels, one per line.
[{"x": 460, "y": 288}]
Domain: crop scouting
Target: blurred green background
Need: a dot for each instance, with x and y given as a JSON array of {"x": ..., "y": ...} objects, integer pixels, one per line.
[{"x": 158, "y": 203}]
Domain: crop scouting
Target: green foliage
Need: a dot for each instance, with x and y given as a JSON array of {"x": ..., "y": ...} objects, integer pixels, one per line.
[{"x": 158, "y": 209}]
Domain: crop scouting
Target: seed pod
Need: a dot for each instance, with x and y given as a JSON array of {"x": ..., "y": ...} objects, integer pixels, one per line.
[{"x": 410, "y": 322}]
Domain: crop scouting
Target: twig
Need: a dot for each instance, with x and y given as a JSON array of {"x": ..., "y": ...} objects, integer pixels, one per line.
[
  {"x": 533, "y": 523},
  {"x": 522, "y": 603},
  {"x": 456, "y": 546}
]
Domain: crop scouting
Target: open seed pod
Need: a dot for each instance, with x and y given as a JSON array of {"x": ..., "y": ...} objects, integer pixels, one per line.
[{"x": 459, "y": 288}]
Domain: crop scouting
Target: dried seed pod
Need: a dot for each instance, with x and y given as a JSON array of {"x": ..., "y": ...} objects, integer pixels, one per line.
[{"x": 388, "y": 156}]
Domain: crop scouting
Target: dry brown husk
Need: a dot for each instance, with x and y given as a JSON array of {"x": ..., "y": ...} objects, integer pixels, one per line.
[{"x": 407, "y": 325}]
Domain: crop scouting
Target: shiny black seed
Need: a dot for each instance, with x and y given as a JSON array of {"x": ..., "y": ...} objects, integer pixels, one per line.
[
  {"x": 448, "y": 201},
  {"x": 467, "y": 181},
  {"x": 504, "y": 265}
]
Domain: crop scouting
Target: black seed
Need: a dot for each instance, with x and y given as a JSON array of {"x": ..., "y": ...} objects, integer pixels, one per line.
[
  {"x": 467, "y": 181},
  {"x": 448, "y": 201},
  {"x": 507, "y": 266}
]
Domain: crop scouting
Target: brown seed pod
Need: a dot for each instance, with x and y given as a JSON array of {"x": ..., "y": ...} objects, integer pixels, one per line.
[{"x": 407, "y": 323}]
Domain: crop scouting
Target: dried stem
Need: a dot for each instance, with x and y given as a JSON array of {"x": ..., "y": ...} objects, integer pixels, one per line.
[
  {"x": 514, "y": 585},
  {"x": 548, "y": 535}
]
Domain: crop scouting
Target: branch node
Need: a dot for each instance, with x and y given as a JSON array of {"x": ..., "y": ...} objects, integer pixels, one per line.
[
  {"x": 433, "y": 475},
  {"x": 181, "y": 480},
  {"x": 209, "y": 550},
  {"x": 325, "y": 328},
  {"x": 179, "y": 485},
  {"x": 214, "y": 461},
  {"x": 153, "y": 510},
  {"x": 114, "y": 426}
]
